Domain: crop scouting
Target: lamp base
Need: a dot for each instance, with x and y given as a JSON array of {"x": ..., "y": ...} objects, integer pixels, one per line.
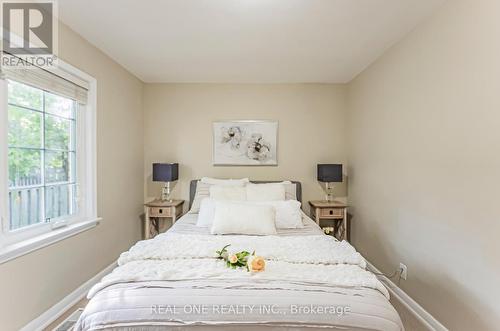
[
  {"x": 165, "y": 192},
  {"x": 329, "y": 193}
]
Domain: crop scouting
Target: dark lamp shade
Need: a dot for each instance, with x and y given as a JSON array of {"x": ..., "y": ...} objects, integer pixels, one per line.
[
  {"x": 330, "y": 173},
  {"x": 165, "y": 172}
]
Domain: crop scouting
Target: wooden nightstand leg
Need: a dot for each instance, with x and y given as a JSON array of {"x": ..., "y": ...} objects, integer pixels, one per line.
[
  {"x": 317, "y": 214},
  {"x": 174, "y": 215},
  {"x": 146, "y": 224},
  {"x": 344, "y": 221}
]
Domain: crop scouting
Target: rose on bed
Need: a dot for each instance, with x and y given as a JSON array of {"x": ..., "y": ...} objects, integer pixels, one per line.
[
  {"x": 256, "y": 263},
  {"x": 252, "y": 262}
]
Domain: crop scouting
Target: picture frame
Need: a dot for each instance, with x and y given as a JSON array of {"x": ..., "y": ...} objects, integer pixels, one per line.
[{"x": 245, "y": 143}]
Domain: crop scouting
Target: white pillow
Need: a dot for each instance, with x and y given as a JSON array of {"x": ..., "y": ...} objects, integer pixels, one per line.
[
  {"x": 290, "y": 191},
  {"x": 265, "y": 192},
  {"x": 225, "y": 182},
  {"x": 232, "y": 193},
  {"x": 288, "y": 214},
  {"x": 202, "y": 192},
  {"x": 207, "y": 212},
  {"x": 238, "y": 218}
]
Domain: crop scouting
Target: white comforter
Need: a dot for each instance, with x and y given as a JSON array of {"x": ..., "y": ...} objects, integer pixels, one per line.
[{"x": 310, "y": 260}]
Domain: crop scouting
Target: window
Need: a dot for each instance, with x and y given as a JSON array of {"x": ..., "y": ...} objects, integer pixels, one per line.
[
  {"x": 47, "y": 147},
  {"x": 41, "y": 156}
]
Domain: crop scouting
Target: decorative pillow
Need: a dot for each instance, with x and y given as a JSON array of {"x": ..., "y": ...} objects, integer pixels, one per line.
[
  {"x": 225, "y": 182},
  {"x": 207, "y": 212},
  {"x": 238, "y": 218},
  {"x": 288, "y": 213},
  {"x": 265, "y": 192}
]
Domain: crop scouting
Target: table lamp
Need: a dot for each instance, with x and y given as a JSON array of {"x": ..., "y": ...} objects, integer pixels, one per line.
[
  {"x": 167, "y": 173},
  {"x": 329, "y": 173}
]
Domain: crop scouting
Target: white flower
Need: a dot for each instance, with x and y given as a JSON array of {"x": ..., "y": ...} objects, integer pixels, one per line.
[
  {"x": 233, "y": 136},
  {"x": 328, "y": 230},
  {"x": 257, "y": 148}
]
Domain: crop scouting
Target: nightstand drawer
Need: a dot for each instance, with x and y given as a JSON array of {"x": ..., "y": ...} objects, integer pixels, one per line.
[
  {"x": 331, "y": 212},
  {"x": 160, "y": 211}
]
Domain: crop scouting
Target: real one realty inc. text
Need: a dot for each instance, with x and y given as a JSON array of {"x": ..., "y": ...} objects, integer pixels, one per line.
[{"x": 242, "y": 309}]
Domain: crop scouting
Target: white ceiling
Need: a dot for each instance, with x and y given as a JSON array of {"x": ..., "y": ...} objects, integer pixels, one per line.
[{"x": 266, "y": 41}]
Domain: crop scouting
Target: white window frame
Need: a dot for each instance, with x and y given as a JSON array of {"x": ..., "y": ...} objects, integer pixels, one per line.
[{"x": 14, "y": 243}]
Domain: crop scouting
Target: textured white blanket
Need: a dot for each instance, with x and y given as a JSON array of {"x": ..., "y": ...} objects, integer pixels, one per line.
[
  {"x": 300, "y": 249},
  {"x": 341, "y": 275},
  {"x": 308, "y": 260}
]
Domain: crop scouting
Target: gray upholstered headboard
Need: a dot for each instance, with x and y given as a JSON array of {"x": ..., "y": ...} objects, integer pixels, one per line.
[{"x": 194, "y": 182}]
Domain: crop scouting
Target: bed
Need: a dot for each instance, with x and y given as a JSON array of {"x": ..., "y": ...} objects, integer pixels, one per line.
[{"x": 173, "y": 282}]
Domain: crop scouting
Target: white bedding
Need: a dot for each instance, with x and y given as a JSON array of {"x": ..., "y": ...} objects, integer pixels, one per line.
[{"x": 179, "y": 268}]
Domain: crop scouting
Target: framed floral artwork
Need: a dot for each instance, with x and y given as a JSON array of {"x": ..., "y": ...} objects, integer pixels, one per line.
[{"x": 253, "y": 143}]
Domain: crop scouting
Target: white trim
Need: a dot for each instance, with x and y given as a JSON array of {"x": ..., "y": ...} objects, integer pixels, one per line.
[
  {"x": 413, "y": 307},
  {"x": 21, "y": 248},
  {"x": 90, "y": 139},
  {"x": 66, "y": 303},
  {"x": 4, "y": 166}
]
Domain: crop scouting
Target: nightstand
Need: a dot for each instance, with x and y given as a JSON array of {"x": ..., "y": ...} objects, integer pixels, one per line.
[
  {"x": 157, "y": 210},
  {"x": 331, "y": 210}
]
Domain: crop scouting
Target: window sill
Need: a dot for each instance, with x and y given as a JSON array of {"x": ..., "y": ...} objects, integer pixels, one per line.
[{"x": 16, "y": 250}]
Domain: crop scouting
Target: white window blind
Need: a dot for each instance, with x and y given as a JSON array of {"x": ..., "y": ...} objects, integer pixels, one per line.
[{"x": 61, "y": 83}]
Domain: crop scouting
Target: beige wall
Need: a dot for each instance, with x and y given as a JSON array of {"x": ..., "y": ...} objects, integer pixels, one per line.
[
  {"x": 424, "y": 139},
  {"x": 178, "y": 128},
  {"x": 31, "y": 284}
]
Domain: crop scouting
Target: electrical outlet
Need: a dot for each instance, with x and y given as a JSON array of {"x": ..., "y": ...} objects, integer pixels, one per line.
[{"x": 403, "y": 269}]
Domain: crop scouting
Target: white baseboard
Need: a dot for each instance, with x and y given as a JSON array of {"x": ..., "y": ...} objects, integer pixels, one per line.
[
  {"x": 413, "y": 307},
  {"x": 70, "y": 300}
]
